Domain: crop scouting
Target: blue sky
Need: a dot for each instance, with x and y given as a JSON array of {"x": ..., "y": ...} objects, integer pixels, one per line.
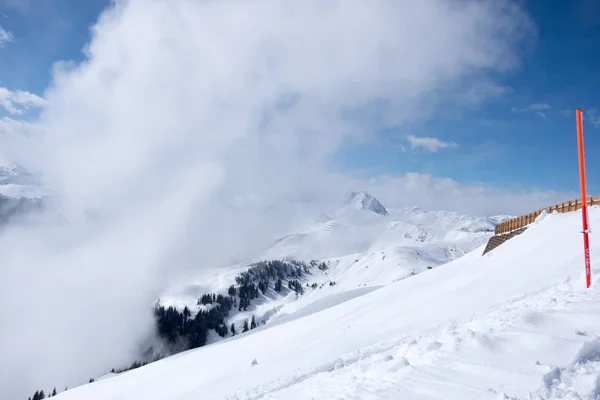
[
  {"x": 527, "y": 136},
  {"x": 523, "y": 138}
]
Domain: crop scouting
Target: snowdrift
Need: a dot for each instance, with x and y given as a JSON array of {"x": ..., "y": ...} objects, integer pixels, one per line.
[{"x": 517, "y": 323}]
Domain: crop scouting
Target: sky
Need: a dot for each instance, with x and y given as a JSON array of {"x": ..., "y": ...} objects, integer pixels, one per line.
[
  {"x": 526, "y": 136},
  {"x": 521, "y": 137},
  {"x": 184, "y": 134}
]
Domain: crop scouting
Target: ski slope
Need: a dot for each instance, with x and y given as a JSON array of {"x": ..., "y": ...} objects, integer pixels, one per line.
[
  {"x": 364, "y": 246},
  {"x": 517, "y": 323}
]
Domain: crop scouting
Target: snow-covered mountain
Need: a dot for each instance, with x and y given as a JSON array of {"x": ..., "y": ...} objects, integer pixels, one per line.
[
  {"x": 10, "y": 173},
  {"x": 364, "y": 225},
  {"x": 19, "y": 193},
  {"x": 17, "y": 182},
  {"x": 11, "y": 207},
  {"x": 364, "y": 201},
  {"x": 347, "y": 252},
  {"x": 517, "y": 323},
  {"x": 363, "y": 245}
]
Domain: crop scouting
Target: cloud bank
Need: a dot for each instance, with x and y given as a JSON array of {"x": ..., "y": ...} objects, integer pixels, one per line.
[
  {"x": 430, "y": 144},
  {"x": 18, "y": 101},
  {"x": 180, "y": 108},
  {"x": 539, "y": 109},
  {"x": 5, "y": 37},
  {"x": 435, "y": 193}
]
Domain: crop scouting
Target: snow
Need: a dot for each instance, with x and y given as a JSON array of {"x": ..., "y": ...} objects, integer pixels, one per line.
[
  {"x": 365, "y": 201},
  {"x": 361, "y": 248},
  {"x": 352, "y": 229},
  {"x": 17, "y": 182},
  {"x": 516, "y": 323},
  {"x": 19, "y": 191}
]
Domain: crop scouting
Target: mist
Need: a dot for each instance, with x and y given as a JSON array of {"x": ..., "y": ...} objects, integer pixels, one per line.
[{"x": 196, "y": 132}]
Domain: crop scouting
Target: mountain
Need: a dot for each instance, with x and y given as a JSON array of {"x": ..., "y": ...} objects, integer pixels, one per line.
[
  {"x": 362, "y": 224},
  {"x": 12, "y": 208},
  {"x": 362, "y": 250},
  {"x": 17, "y": 182},
  {"x": 517, "y": 323},
  {"x": 364, "y": 201},
  {"x": 354, "y": 249},
  {"x": 19, "y": 193},
  {"x": 12, "y": 173}
]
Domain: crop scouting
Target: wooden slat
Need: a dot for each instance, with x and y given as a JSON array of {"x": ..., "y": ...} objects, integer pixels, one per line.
[{"x": 523, "y": 220}]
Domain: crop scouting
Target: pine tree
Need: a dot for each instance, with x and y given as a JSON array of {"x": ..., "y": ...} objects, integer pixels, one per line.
[
  {"x": 253, "y": 323},
  {"x": 232, "y": 329},
  {"x": 54, "y": 392},
  {"x": 231, "y": 290},
  {"x": 42, "y": 395},
  {"x": 36, "y": 396},
  {"x": 245, "y": 329},
  {"x": 221, "y": 330}
]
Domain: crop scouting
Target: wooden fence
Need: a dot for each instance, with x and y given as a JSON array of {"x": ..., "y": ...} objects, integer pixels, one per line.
[{"x": 519, "y": 222}]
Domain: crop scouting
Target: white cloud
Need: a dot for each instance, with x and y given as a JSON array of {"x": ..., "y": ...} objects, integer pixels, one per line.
[
  {"x": 567, "y": 113},
  {"x": 182, "y": 106},
  {"x": 428, "y": 143},
  {"x": 592, "y": 115},
  {"x": 435, "y": 193},
  {"x": 5, "y": 37},
  {"x": 17, "y": 102},
  {"x": 18, "y": 5},
  {"x": 539, "y": 109}
]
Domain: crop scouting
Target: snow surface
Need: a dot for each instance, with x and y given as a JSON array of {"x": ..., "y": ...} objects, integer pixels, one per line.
[
  {"x": 365, "y": 201},
  {"x": 352, "y": 230},
  {"x": 17, "y": 182},
  {"x": 361, "y": 248},
  {"x": 516, "y": 323}
]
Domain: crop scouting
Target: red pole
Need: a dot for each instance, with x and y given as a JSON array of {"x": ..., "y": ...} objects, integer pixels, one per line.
[{"x": 586, "y": 243}]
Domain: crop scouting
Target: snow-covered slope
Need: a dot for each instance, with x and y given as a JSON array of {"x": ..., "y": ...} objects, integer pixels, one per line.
[
  {"x": 365, "y": 225},
  {"x": 365, "y": 201},
  {"x": 17, "y": 182},
  {"x": 18, "y": 195},
  {"x": 11, "y": 172},
  {"x": 362, "y": 248},
  {"x": 516, "y": 323}
]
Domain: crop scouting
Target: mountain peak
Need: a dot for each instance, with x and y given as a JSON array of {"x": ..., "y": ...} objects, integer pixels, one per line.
[
  {"x": 365, "y": 201},
  {"x": 11, "y": 173}
]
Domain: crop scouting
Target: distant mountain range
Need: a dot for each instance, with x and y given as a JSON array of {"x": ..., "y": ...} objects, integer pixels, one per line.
[
  {"x": 19, "y": 192},
  {"x": 363, "y": 244}
]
